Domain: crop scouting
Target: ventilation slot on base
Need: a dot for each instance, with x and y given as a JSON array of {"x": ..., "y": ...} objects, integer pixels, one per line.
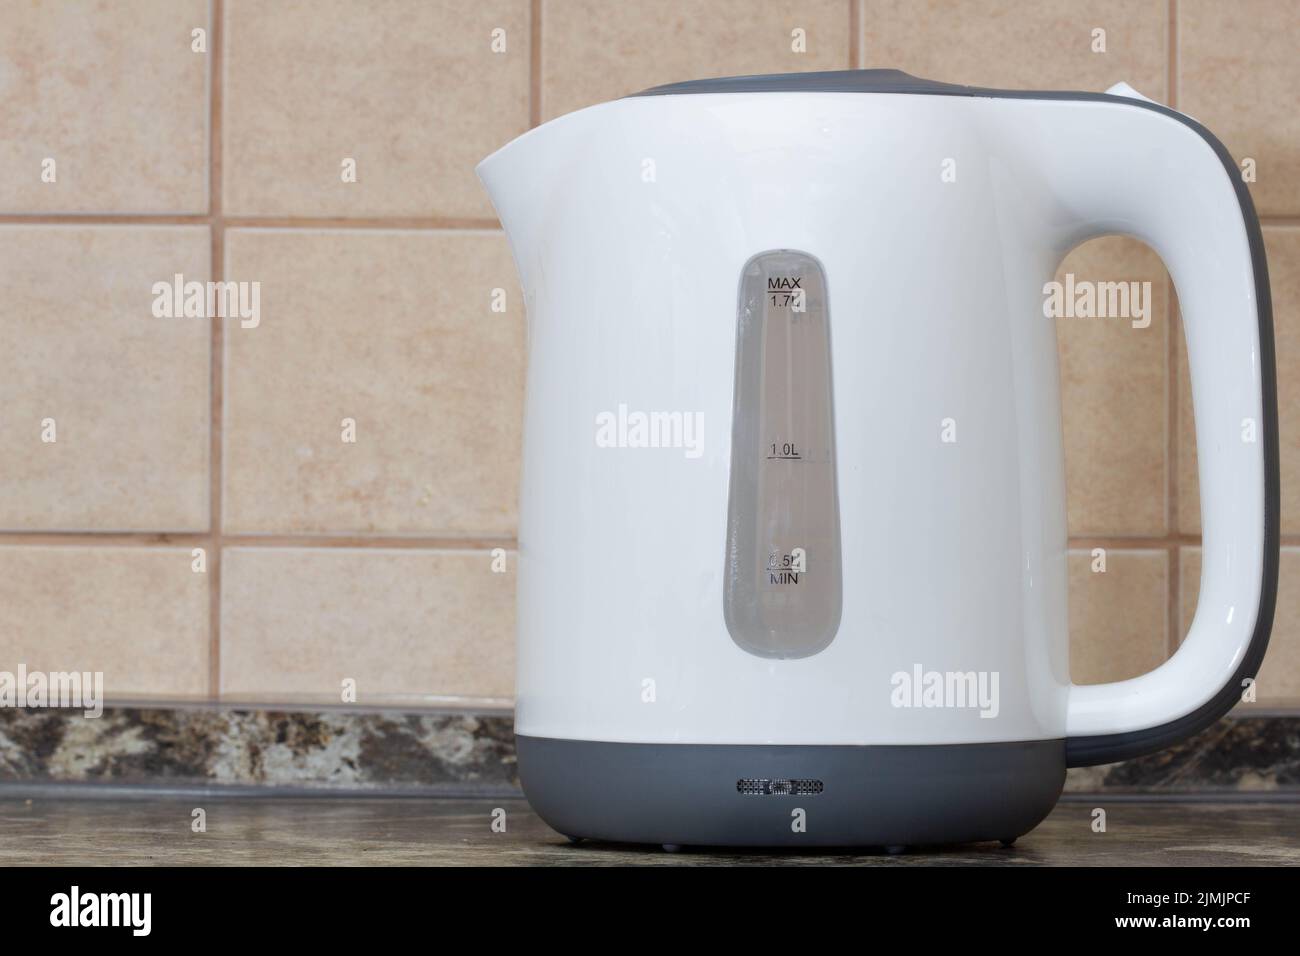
[{"x": 756, "y": 787}]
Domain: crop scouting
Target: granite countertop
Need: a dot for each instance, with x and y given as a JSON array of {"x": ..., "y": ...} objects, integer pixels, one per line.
[
  {"x": 461, "y": 754},
  {"x": 142, "y": 829}
]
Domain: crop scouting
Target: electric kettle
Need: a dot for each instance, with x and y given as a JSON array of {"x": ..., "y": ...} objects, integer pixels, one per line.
[{"x": 792, "y": 541}]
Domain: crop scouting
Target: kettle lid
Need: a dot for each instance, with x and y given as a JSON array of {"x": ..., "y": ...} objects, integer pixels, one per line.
[{"x": 832, "y": 81}]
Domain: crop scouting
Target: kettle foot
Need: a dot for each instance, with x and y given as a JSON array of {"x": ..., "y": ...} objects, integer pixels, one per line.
[
  {"x": 672, "y": 847},
  {"x": 1008, "y": 841},
  {"x": 895, "y": 850},
  {"x": 873, "y": 796},
  {"x": 573, "y": 839}
]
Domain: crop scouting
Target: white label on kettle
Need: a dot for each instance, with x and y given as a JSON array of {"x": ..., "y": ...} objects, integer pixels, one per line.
[{"x": 783, "y": 588}]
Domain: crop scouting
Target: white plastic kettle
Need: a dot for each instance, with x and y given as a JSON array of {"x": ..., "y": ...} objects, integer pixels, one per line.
[{"x": 792, "y": 544}]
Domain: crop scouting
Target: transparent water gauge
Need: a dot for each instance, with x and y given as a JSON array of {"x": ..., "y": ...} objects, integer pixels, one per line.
[{"x": 783, "y": 588}]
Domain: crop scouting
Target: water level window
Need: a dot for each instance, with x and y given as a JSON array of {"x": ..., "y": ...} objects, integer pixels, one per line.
[{"x": 783, "y": 588}]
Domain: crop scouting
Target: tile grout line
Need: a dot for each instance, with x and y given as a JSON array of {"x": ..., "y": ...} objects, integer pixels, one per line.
[
  {"x": 855, "y": 41},
  {"x": 1171, "y": 55},
  {"x": 1173, "y": 394},
  {"x": 216, "y": 382},
  {"x": 101, "y": 219},
  {"x": 394, "y": 223},
  {"x": 1177, "y": 539},
  {"x": 253, "y": 222},
  {"x": 535, "y": 64},
  {"x": 183, "y": 539},
  {"x": 1084, "y": 542}
]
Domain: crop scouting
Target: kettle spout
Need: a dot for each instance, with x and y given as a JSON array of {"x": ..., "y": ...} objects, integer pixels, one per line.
[
  {"x": 519, "y": 177},
  {"x": 515, "y": 182},
  {"x": 524, "y": 179}
]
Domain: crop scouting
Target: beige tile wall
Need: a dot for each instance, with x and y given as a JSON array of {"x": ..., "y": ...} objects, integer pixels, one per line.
[{"x": 200, "y": 529}]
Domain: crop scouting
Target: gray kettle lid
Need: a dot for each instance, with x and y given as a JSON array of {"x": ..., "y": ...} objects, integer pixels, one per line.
[{"x": 833, "y": 81}]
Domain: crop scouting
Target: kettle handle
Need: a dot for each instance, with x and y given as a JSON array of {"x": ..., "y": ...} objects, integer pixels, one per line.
[{"x": 1134, "y": 167}]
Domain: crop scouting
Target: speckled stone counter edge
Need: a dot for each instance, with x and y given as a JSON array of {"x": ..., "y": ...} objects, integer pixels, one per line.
[{"x": 466, "y": 753}]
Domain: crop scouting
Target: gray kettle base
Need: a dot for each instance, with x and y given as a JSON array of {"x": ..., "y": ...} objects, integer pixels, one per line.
[{"x": 791, "y": 796}]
